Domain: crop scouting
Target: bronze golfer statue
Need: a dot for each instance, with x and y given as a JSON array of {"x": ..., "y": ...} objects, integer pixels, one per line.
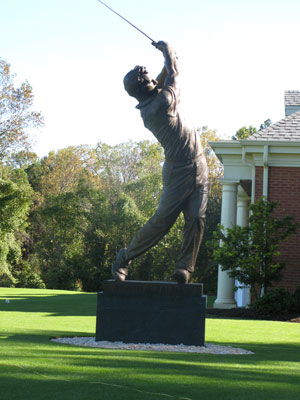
[{"x": 185, "y": 173}]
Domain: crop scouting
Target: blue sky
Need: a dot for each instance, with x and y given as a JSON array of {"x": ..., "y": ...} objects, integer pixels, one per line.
[{"x": 236, "y": 58}]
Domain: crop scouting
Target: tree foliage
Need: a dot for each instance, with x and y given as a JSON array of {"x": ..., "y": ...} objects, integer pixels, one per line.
[
  {"x": 244, "y": 132},
  {"x": 16, "y": 113},
  {"x": 15, "y": 200},
  {"x": 250, "y": 254},
  {"x": 215, "y": 167},
  {"x": 61, "y": 171}
]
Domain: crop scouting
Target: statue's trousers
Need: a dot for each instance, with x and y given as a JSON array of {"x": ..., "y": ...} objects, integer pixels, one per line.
[{"x": 185, "y": 189}]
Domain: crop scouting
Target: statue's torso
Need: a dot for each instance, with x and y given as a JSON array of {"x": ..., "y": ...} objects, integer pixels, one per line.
[{"x": 161, "y": 116}]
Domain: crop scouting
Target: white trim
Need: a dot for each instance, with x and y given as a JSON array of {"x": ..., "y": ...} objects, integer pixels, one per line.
[
  {"x": 253, "y": 176},
  {"x": 225, "y": 181},
  {"x": 235, "y": 154},
  {"x": 275, "y": 143},
  {"x": 266, "y": 171}
]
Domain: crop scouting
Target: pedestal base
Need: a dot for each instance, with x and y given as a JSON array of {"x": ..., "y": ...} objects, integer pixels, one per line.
[{"x": 151, "y": 312}]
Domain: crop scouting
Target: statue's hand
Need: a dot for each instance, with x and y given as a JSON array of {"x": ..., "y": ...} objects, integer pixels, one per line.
[{"x": 160, "y": 45}]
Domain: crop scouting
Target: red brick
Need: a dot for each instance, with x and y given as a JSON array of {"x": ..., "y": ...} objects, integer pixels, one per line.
[{"x": 284, "y": 186}]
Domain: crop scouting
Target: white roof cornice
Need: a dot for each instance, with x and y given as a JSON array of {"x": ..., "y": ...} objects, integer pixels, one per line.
[{"x": 235, "y": 146}]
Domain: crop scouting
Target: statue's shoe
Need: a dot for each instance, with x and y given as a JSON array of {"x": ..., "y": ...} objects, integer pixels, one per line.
[
  {"x": 182, "y": 275},
  {"x": 119, "y": 269}
]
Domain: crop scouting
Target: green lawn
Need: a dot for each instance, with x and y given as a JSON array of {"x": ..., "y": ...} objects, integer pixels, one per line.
[{"x": 32, "y": 367}]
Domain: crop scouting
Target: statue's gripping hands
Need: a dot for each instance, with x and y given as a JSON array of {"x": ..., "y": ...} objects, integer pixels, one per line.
[{"x": 184, "y": 172}]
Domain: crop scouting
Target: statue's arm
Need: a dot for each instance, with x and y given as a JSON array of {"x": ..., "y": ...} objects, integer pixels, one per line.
[
  {"x": 161, "y": 78},
  {"x": 169, "y": 73}
]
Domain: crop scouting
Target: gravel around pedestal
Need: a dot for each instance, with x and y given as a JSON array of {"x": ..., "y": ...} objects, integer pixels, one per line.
[{"x": 208, "y": 348}]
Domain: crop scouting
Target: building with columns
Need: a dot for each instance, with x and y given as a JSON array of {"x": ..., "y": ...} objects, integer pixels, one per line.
[{"x": 265, "y": 164}]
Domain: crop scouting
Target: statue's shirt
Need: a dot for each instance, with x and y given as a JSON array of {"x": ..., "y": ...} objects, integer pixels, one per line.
[{"x": 161, "y": 116}]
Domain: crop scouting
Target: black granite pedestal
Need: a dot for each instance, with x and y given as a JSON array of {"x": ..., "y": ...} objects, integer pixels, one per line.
[{"x": 151, "y": 312}]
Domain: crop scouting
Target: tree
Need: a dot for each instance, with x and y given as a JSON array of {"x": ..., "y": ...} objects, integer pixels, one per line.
[
  {"x": 244, "y": 132},
  {"x": 16, "y": 114},
  {"x": 130, "y": 174},
  {"x": 22, "y": 159},
  {"x": 250, "y": 254},
  {"x": 130, "y": 171},
  {"x": 215, "y": 167},
  {"x": 127, "y": 162},
  {"x": 61, "y": 171},
  {"x": 59, "y": 226},
  {"x": 110, "y": 228},
  {"x": 15, "y": 200}
]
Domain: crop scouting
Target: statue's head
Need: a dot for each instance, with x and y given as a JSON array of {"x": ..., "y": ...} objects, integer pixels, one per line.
[{"x": 138, "y": 83}]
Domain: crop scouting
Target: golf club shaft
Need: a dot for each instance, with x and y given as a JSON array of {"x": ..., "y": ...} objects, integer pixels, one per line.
[{"x": 126, "y": 20}]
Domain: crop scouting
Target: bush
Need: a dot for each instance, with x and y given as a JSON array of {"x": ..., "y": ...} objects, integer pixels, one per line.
[
  {"x": 33, "y": 281},
  {"x": 26, "y": 278},
  {"x": 296, "y": 297},
  {"x": 250, "y": 253},
  {"x": 277, "y": 301},
  {"x": 7, "y": 280}
]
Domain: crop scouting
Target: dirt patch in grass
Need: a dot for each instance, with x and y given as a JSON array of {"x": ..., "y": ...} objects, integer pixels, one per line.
[{"x": 295, "y": 319}]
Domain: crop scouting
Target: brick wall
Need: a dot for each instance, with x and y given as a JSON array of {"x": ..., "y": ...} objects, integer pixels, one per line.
[
  {"x": 284, "y": 186},
  {"x": 259, "y": 182}
]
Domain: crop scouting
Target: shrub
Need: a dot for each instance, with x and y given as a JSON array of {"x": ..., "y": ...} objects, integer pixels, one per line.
[
  {"x": 296, "y": 297},
  {"x": 277, "y": 301},
  {"x": 7, "y": 280},
  {"x": 26, "y": 278},
  {"x": 250, "y": 253}
]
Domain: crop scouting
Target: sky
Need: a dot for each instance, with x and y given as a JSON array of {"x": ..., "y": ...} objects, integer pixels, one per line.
[{"x": 236, "y": 59}]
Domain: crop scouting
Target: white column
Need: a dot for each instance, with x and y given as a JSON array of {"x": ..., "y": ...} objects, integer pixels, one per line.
[
  {"x": 225, "y": 297},
  {"x": 242, "y": 296}
]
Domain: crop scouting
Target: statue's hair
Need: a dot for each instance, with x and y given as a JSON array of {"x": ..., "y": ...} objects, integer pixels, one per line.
[{"x": 132, "y": 82}]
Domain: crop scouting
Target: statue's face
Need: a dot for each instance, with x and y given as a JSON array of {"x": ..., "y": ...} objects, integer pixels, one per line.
[
  {"x": 138, "y": 82},
  {"x": 145, "y": 80}
]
